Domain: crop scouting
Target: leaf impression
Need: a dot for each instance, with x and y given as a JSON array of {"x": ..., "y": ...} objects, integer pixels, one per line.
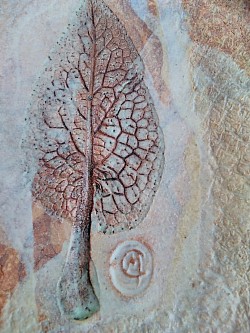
[{"x": 100, "y": 147}]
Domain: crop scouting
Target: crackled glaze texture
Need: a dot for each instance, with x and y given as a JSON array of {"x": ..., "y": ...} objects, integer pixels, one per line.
[
  {"x": 194, "y": 274},
  {"x": 96, "y": 66}
]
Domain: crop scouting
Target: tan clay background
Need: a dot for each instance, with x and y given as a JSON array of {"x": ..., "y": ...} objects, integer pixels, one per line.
[{"x": 196, "y": 55}]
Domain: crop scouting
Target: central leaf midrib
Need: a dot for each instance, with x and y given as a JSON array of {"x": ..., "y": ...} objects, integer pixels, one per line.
[{"x": 89, "y": 129}]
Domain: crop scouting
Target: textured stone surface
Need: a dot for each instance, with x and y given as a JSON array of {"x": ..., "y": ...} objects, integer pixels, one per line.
[
  {"x": 12, "y": 271},
  {"x": 196, "y": 55}
]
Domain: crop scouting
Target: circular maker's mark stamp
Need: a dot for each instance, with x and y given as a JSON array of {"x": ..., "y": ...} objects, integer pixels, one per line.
[{"x": 131, "y": 268}]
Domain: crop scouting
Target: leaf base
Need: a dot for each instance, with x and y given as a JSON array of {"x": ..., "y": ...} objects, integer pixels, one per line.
[{"x": 77, "y": 301}]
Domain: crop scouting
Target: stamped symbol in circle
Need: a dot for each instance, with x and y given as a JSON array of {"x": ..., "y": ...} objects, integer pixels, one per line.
[{"x": 131, "y": 267}]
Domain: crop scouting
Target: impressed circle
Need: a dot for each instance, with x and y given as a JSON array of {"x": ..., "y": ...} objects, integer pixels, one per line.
[{"x": 131, "y": 268}]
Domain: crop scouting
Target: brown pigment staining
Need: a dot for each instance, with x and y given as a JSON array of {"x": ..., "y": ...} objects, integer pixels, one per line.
[
  {"x": 144, "y": 38},
  {"x": 153, "y": 58},
  {"x": 222, "y": 24},
  {"x": 12, "y": 271},
  {"x": 49, "y": 235},
  {"x": 136, "y": 28},
  {"x": 153, "y": 7}
]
